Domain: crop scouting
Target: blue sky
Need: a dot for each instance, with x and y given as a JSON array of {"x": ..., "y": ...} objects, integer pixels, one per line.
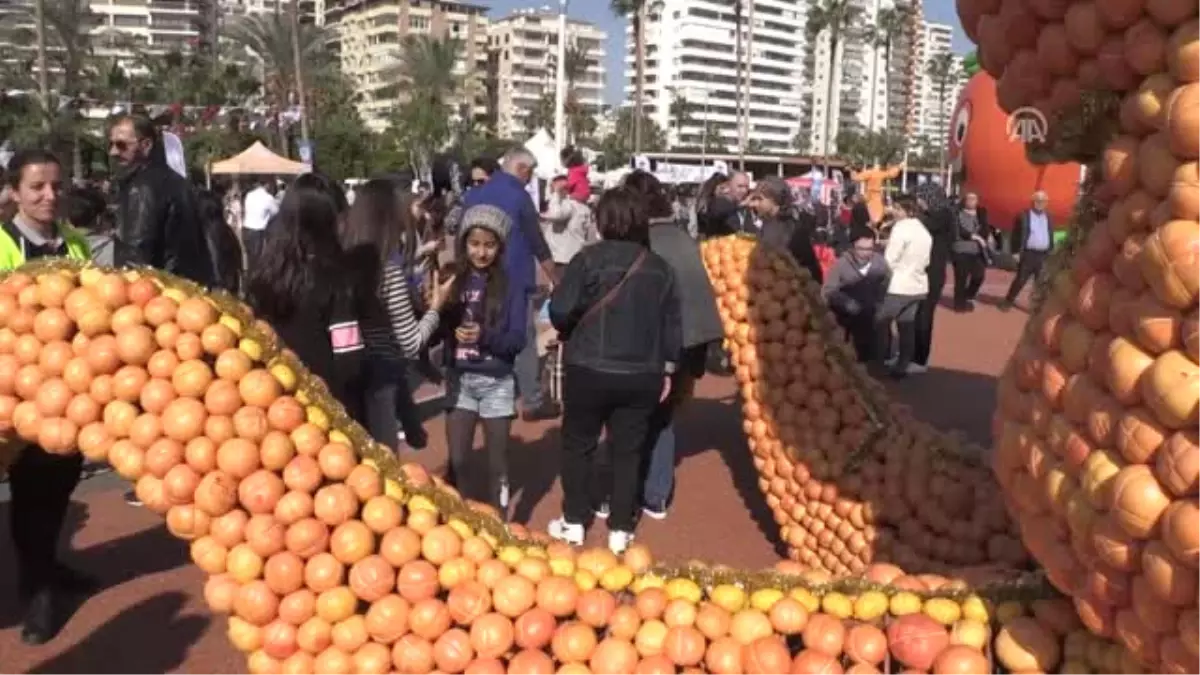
[{"x": 596, "y": 11}]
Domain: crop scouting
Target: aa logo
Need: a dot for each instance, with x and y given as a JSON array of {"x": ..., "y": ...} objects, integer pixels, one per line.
[{"x": 1027, "y": 125}]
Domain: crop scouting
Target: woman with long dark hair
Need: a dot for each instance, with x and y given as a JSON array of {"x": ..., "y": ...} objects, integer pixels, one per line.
[
  {"x": 304, "y": 287},
  {"x": 222, "y": 241},
  {"x": 374, "y": 234},
  {"x": 700, "y": 328}
]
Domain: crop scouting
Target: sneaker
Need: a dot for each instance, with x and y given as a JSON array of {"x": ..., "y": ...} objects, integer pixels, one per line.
[
  {"x": 504, "y": 495},
  {"x": 570, "y": 533},
  {"x": 131, "y": 498},
  {"x": 656, "y": 510},
  {"x": 891, "y": 361},
  {"x": 916, "y": 369},
  {"x": 618, "y": 541},
  {"x": 602, "y": 511}
]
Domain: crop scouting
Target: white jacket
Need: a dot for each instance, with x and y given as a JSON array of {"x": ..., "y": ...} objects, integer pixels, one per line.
[
  {"x": 907, "y": 253},
  {"x": 568, "y": 226}
]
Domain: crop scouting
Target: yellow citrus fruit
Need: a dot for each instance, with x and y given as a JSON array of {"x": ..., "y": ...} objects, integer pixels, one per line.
[
  {"x": 616, "y": 578},
  {"x": 393, "y": 489},
  {"x": 765, "y": 598},
  {"x": 971, "y": 633},
  {"x": 510, "y": 555},
  {"x": 806, "y": 598},
  {"x": 685, "y": 589},
  {"x": 172, "y": 293},
  {"x": 337, "y": 436},
  {"x": 231, "y": 322},
  {"x": 317, "y": 417},
  {"x": 976, "y": 609},
  {"x": 943, "y": 610},
  {"x": 837, "y": 604},
  {"x": 585, "y": 580},
  {"x": 252, "y": 348},
  {"x": 461, "y": 528},
  {"x": 904, "y": 603},
  {"x": 285, "y": 376},
  {"x": 647, "y": 581},
  {"x": 870, "y": 606},
  {"x": 562, "y": 567},
  {"x": 421, "y": 503},
  {"x": 728, "y": 597}
]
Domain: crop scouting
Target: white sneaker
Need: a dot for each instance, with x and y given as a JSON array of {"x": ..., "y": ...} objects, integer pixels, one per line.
[
  {"x": 916, "y": 369},
  {"x": 889, "y": 362},
  {"x": 602, "y": 511},
  {"x": 618, "y": 541},
  {"x": 504, "y": 494},
  {"x": 570, "y": 533}
]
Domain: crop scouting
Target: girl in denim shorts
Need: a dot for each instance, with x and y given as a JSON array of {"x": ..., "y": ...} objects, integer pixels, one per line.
[{"x": 484, "y": 331}]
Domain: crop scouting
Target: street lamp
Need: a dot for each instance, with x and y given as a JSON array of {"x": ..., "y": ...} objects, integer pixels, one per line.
[{"x": 560, "y": 81}]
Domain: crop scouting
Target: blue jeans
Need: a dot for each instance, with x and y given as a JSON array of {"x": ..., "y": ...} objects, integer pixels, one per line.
[
  {"x": 527, "y": 366},
  {"x": 659, "y": 483}
]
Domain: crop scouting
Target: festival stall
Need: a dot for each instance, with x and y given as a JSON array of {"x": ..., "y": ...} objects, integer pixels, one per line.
[{"x": 258, "y": 160}]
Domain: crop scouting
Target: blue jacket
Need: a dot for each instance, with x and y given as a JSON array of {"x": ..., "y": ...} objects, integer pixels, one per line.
[{"x": 526, "y": 244}]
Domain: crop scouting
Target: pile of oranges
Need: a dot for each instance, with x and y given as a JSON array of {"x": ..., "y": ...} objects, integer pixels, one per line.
[{"x": 329, "y": 557}]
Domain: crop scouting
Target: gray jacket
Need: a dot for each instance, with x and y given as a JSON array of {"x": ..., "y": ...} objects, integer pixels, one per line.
[
  {"x": 849, "y": 289},
  {"x": 697, "y": 301}
]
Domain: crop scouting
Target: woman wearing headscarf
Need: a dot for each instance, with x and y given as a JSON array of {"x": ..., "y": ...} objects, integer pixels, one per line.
[{"x": 937, "y": 214}]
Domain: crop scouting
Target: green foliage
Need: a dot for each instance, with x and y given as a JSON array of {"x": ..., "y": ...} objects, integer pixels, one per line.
[
  {"x": 617, "y": 149},
  {"x": 867, "y": 148}
]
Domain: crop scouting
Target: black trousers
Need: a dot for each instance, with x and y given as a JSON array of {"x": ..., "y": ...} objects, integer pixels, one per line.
[
  {"x": 1028, "y": 267},
  {"x": 902, "y": 310},
  {"x": 924, "y": 320},
  {"x": 252, "y": 241},
  {"x": 622, "y": 405},
  {"x": 41, "y": 485},
  {"x": 861, "y": 328},
  {"x": 969, "y": 271}
]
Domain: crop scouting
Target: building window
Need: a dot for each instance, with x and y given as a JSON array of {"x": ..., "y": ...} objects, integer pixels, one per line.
[{"x": 418, "y": 23}]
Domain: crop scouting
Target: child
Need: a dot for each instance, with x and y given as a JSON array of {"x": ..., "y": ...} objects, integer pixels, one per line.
[
  {"x": 577, "y": 175},
  {"x": 484, "y": 331}
]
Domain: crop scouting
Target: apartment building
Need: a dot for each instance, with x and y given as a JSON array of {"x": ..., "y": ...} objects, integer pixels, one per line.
[
  {"x": 692, "y": 54},
  {"x": 932, "y": 105},
  {"x": 523, "y": 64},
  {"x": 369, "y": 37}
]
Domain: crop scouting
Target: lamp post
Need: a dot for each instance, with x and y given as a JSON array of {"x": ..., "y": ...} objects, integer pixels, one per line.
[
  {"x": 43, "y": 75},
  {"x": 560, "y": 81}
]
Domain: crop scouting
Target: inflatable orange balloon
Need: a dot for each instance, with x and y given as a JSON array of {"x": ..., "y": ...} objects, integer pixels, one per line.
[{"x": 990, "y": 161}]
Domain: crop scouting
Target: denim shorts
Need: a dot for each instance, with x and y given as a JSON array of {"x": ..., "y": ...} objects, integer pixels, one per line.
[{"x": 491, "y": 396}]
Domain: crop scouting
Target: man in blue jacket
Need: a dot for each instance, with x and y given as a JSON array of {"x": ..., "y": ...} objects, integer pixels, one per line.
[{"x": 525, "y": 250}]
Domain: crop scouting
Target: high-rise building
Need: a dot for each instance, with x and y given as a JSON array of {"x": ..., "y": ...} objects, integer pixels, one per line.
[
  {"x": 369, "y": 38},
  {"x": 934, "y": 99},
  {"x": 523, "y": 67},
  {"x": 694, "y": 56}
]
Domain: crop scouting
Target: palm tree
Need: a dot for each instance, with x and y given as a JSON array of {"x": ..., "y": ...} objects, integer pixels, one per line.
[
  {"x": 579, "y": 119},
  {"x": 943, "y": 69},
  {"x": 889, "y": 26},
  {"x": 681, "y": 113},
  {"x": 424, "y": 120},
  {"x": 274, "y": 42},
  {"x": 635, "y": 11},
  {"x": 835, "y": 17}
]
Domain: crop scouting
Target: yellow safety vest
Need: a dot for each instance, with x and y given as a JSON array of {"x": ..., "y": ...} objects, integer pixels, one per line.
[{"x": 12, "y": 256}]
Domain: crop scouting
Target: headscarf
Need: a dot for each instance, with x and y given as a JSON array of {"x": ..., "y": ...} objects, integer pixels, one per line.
[{"x": 934, "y": 197}]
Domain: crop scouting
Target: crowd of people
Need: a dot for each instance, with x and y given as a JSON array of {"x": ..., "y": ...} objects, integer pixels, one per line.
[{"x": 364, "y": 292}]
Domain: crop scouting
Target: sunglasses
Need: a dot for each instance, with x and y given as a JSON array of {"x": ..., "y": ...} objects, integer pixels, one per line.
[{"x": 120, "y": 146}]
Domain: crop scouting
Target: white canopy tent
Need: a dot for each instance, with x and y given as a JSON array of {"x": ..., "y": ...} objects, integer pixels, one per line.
[
  {"x": 258, "y": 159},
  {"x": 545, "y": 151}
]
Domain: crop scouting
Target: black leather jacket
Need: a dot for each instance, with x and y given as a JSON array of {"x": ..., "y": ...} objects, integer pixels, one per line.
[
  {"x": 157, "y": 217},
  {"x": 638, "y": 332}
]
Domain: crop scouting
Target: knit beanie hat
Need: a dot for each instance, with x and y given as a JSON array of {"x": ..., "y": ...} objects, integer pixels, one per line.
[{"x": 488, "y": 217}]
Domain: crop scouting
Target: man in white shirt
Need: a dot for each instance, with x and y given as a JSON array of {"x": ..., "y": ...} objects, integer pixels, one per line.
[
  {"x": 1034, "y": 235},
  {"x": 566, "y": 224},
  {"x": 260, "y": 206},
  {"x": 908, "y": 251}
]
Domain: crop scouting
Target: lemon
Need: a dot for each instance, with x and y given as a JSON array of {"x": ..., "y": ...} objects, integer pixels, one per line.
[
  {"x": 1007, "y": 611},
  {"x": 421, "y": 503},
  {"x": 490, "y": 539},
  {"x": 806, "y": 598},
  {"x": 585, "y": 580},
  {"x": 461, "y": 528},
  {"x": 616, "y": 578},
  {"x": 285, "y": 376},
  {"x": 252, "y": 348},
  {"x": 685, "y": 589},
  {"x": 231, "y": 322},
  {"x": 904, "y": 603},
  {"x": 943, "y": 610},
  {"x": 728, "y": 597},
  {"x": 647, "y": 581},
  {"x": 536, "y": 552},
  {"x": 303, "y": 398},
  {"x": 337, "y": 436},
  {"x": 971, "y": 633},
  {"x": 976, "y": 609},
  {"x": 393, "y": 489},
  {"x": 870, "y": 606},
  {"x": 90, "y": 276},
  {"x": 837, "y": 604},
  {"x": 510, "y": 555},
  {"x": 317, "y": 417},
  {"x": 562, "y": 567},
  {"x": 172, "y": 293},
  {"x": 765, "y": 598}
]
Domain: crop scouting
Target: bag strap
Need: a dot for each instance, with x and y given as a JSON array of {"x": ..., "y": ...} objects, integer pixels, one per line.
[{"x": 612, "y": 292}]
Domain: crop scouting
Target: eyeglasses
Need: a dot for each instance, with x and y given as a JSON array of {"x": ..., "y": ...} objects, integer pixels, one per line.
[{"x": 119, "y": 146}]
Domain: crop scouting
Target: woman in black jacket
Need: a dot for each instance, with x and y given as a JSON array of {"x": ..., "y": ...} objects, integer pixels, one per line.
[
  {"x": 617, "y": 311},
  {"x": 937, "y": 215},
  {"x": 782, "y": 226},
  {"x": 303, "y": 286}
]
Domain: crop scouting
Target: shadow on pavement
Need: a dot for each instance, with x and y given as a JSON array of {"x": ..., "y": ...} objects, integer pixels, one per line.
[
  {"x": 111, "y": 562},
  {"x": 950, "y": 400},
  {"x": 149, "y": 637}
]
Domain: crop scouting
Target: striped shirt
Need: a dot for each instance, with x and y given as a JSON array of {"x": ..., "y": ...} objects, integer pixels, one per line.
[{"x": 404, "y": 335}]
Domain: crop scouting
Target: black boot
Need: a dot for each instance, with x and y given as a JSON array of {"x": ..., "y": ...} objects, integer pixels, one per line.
[{"x": 44, "y": 618}]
